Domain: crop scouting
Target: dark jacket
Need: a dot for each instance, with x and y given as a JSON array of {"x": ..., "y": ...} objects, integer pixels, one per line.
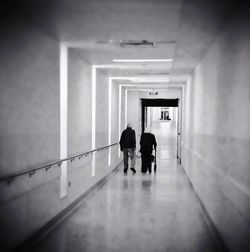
[
  {"x": 127, "y": 139},
  {"x": 147, "y": 142}
]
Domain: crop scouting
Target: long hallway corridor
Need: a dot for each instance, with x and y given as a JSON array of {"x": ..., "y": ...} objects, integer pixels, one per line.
[
  {"x": 166, "y": 135},
  {"x": 74, "y": 74},
  {"x": 137, "y": 213}
]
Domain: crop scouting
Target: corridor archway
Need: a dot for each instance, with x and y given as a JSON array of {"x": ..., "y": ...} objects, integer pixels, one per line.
[{"x": 167, "y": 127}]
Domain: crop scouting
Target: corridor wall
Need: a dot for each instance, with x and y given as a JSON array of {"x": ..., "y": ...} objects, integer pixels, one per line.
[
  {"x": 79, "y": 103},
  {"x": 82, "y": 174},
  {"x": 134, "y": 115},
  {"x": 29, "y": 126},
  {"x": 115, "y": 113},
  {"x": 102, "y": 110},
  {"x": 29, "y": 97},
  {"x": 216, "y": 139},
  {"x": 30, "y": 129}
]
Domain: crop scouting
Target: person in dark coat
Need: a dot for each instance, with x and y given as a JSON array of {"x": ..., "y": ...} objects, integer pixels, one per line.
[
  {"x": 127, "y": 146},
  {"x": 147, "y": 143}
]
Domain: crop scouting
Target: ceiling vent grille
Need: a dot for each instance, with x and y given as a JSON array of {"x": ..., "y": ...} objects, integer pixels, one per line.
[
  {"x": 136, "y": 43},
  {"x": 140, "y": 43}
]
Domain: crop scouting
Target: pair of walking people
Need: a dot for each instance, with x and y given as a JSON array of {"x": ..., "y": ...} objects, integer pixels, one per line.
[{"x": 128, "y": 147}]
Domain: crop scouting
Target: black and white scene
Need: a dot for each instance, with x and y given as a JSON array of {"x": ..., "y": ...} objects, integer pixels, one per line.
[{"x": 125, "y": 126}]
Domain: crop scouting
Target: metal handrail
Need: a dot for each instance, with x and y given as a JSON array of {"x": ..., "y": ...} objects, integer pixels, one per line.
[{"x": 10, "y": 178}]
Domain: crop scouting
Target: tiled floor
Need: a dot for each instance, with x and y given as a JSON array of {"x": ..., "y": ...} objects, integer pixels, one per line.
[{"x": 156, "y": 212}]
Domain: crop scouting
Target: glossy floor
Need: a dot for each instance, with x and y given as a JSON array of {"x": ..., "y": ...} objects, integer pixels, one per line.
[{"x": 152, "y": 212}]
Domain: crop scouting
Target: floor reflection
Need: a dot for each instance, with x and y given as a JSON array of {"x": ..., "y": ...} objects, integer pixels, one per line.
[
  {"x": 146, "y": 185},
  {"x": 141, "y": 213}
]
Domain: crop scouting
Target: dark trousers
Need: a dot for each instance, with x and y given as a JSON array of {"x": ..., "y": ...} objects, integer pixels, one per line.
[{"x": 145, "y": 162}]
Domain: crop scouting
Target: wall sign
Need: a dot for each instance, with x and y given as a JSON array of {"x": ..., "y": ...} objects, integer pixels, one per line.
[{"x": 153, "y": 93}]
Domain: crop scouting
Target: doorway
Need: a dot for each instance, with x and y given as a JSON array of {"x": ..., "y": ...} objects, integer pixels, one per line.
[{"x": 163, "y": 116}]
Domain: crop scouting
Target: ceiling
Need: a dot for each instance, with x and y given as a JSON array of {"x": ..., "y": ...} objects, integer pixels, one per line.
[{"x": 182, "y": 30}]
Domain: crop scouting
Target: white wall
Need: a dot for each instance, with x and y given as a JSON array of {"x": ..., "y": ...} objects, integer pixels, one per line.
[
  {"x": 30, "y": 129},
  {"x": 133, "y": 114},
  {"x": 102, "y": 102},
  {"x": 79, "y": 104},
  {"x": 171, "y": 93},
  {"x": 123, "y": 126},
  {"x": 156, "y": 114},
  {"x": 175, "y": 115},
  {"x": 29, "y": 126},
  {"x": 29, "y": 98},
  {"x": 115, "y": 137},
  {"x": 216, "y": 141}
]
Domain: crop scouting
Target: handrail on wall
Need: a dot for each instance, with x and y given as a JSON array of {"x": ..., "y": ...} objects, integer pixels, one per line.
[{"x": 10, "y": 178}]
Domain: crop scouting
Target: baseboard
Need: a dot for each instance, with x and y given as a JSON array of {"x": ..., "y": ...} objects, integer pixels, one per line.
[
  {"x": 42, "y": 232},
  {"x": 220, "y": 243}
]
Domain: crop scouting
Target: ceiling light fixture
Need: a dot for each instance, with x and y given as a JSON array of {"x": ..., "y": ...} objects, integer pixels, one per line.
[
  {"x": 142, "y": 60},
  {"x": 138, "y": 79},
  {"x": 148, "y": 81},
  {"x": 153, "y": 79}
]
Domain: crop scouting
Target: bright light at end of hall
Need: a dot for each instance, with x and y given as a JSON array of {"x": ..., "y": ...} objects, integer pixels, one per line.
[{"x": 142, "y": 60}]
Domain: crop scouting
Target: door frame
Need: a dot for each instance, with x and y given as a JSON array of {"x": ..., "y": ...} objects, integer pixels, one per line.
[{"x": 164, "y": 103}]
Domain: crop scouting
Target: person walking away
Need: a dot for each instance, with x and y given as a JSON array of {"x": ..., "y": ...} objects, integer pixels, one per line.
[
  {"x": 127, "y": 146},
  {"x": 147, "y": 143}
]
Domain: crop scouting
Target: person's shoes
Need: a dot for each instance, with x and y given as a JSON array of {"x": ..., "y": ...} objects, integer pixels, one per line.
[
  {"x": 133, "y": 170},
  {"x": 125, "y": 171}
]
